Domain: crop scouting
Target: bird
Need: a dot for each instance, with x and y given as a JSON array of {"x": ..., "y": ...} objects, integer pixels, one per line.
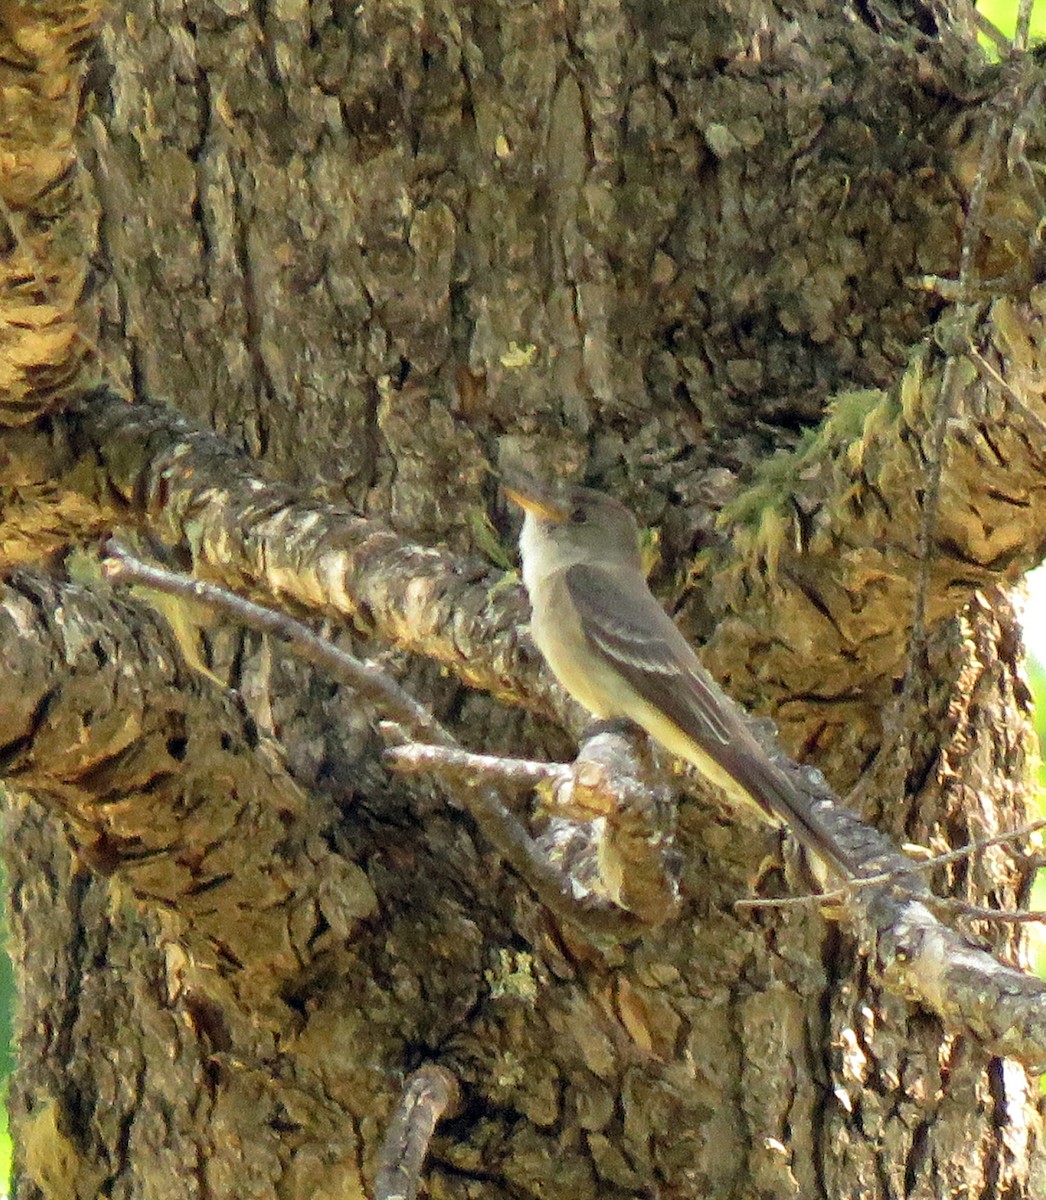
[{"x": 617, "y": 652}]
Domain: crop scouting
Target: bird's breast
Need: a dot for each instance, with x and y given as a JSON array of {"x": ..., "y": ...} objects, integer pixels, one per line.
[{"x": 582, "y": 670}]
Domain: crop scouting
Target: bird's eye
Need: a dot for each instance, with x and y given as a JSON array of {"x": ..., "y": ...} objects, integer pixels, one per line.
[{"x": 579, "y": 516}]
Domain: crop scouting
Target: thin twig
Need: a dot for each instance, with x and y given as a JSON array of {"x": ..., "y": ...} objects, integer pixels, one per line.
[
  {"x": 430, "y": 1094},
  {"x": 979, "y": 193},
  {"x": 368, "y": 679},
  {"x": 985, "y": 368},
  {"x": 847, "y": 889},
  {"x": 1023, "y": 31},
  {"x": 955, "y": 907},
  {"x": 416, "y": 757},
  {"x": 413, "y": 758},
  {"x": 897, "y": 747},
  {"x": 608, "y": 830},
  {"x": 992, "y": 32},
  {"x": 976, "y": 846}
]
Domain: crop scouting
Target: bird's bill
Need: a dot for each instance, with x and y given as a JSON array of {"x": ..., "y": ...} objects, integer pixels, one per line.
[{"x": 538, "y": 499}]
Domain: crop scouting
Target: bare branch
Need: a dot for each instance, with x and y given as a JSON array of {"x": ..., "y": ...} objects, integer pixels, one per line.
[
  {"x": 916, "y": 956},
  {"x": 366, "y": 678},
  {"x": 1022, "y": 35},
  {"x": 416, "y": 758},
  {"x": 890, "y": 909},
  {"x": 612, "y": 826},
  {"x": 978, "y": 912},
  {"x": 429, "y": 1095},
  {"x": 263, "y": 539},
  {"x": 991, "y": 31},
  {"x": 499, "y": 826},
  {"x": 252, "y": 523}
]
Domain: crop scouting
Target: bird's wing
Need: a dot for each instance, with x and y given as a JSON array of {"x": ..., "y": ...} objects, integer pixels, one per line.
[{"x": 629, "y": 627}]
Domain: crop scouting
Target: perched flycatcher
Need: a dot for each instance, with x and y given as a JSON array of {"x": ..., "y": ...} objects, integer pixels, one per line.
[{"x": 617, "y": 652}]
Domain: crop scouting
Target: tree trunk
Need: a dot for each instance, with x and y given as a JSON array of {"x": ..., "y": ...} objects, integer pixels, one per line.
[{"x": 369, "y": 252}]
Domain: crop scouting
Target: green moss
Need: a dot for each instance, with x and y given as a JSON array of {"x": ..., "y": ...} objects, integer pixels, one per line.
[{"x": 850, "y": 418}]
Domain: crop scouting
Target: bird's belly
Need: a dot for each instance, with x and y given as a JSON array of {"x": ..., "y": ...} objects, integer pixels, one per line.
[
  {"x": 582, "y": 674},
  {"x": 678, "y": 742}
]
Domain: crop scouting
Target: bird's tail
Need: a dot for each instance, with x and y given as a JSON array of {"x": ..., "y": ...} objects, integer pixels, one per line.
[{"x": 826, "y": 829}]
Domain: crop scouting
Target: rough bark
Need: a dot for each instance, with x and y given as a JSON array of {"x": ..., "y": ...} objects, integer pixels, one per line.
[{"x": 380, "y": 248}]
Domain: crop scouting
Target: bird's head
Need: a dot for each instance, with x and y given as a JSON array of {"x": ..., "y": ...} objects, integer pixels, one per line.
[{"x": 574, "y": 524}]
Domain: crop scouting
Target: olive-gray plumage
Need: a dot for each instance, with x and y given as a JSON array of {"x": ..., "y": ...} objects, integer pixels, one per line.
[{"x": 617, "y": 652}]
